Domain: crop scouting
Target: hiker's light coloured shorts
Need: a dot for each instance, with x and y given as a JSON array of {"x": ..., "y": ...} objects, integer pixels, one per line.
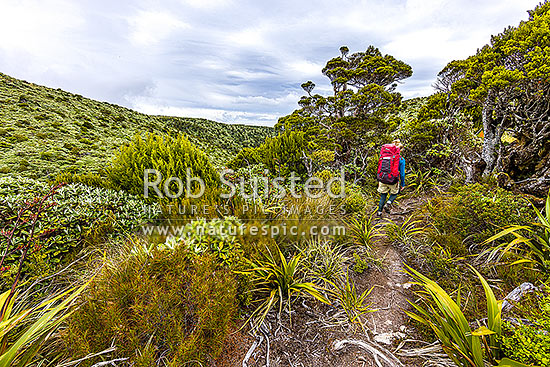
[{"x": 385, "y": 188}]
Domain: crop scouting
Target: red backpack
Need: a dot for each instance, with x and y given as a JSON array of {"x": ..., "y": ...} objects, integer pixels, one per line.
[{"x": 388, "y": 165}]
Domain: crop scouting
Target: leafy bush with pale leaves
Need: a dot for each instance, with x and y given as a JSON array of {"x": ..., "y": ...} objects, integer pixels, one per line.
[
  {"x": 217, "y": 236},
  {"x": 79, "y": 215}
]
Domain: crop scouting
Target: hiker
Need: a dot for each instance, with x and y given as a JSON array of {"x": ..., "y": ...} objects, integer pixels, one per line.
[{"x": 391, "y": 175}]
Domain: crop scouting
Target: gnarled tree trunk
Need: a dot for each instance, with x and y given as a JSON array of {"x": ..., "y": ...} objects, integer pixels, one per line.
[{"x": 492, "y": 135}]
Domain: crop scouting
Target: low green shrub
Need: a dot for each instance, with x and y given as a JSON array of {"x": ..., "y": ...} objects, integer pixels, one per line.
[
  {"x": 354, "y": 202},
  {"x": 441, "y": 265},
  {"x": 42, "y": 116},
  {"x": 323, "y": 260},
  {"x": 164, "y": 304},
  {"x": 352, "y": 199},
  {"x": 246, "y": 157},
  {"x": 88, "y": 125},
  {"x": 531, "y": 242},
  {"x": 171, "y": 157},
  {"x": 529, "y": 341},
  {"x": 217, "y": 236},
  {"x": 361, "y": 265},
  {"x": 47, "y": 156},
  {"x": 23, "y": 165},
  {"x": 77, "y": 214},
  {"x": 18, "y": 138},
  {"x": 88, "y": 179},
  {"x": 42, "y": 135},
  {"x": 282, "y": 154},
  {"x": 254, "y": 183},
  {"x": 465, "y": 219}
]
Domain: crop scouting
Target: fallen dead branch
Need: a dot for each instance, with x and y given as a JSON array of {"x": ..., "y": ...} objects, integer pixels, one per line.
[
  {"x": 376, "y": 350},
  {"x": 256, "y": 344},
  {"x": 432, "y": 354}
]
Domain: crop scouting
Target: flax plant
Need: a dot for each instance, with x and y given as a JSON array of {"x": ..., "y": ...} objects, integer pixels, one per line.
[
  {"x": 18, "y": 348},
  {"x": 276, "y": 282},
  {"x": 363, "y": 231},
  {"x": 531, "y": 242},
  {"x": 464, "y": 346}
]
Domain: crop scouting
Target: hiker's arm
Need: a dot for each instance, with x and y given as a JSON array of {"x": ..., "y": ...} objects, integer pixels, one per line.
[{"x": 402, "y": 171}]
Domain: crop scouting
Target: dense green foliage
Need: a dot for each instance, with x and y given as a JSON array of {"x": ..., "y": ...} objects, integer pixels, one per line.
[
  {"x": 164, "y": 303},
  {"x": 354, "y": 121},
  {"x": 530, "y": 243},
  {"x": 473, "y": 214},
  {"x": 217, "y": 236},
  {"x": 172, "y": 158},
  {"x": 45, "y": 131},
  {"x": 529, "y": 342},
  {"x": 508, "y": 80},
  {"x": 79, "y": 215},
  {"x": 432, "y": 138},
  {"x": 448, "y": 235},
  {"x": 171, "y": 293},
  {"x": 282, "y": 154},
  {"x": 464, "y": 346}
]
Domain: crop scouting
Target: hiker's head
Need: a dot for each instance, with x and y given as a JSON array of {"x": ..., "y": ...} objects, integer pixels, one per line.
[{"x": 397, "y": 143}]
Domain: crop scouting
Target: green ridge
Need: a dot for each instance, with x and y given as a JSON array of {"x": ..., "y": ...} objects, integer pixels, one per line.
[{"x": 44, "y": 131}]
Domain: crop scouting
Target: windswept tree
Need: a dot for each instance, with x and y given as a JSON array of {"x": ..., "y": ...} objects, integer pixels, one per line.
[
  {"x": 350, "y": 120},
  {"x": 509, "y": 79}
]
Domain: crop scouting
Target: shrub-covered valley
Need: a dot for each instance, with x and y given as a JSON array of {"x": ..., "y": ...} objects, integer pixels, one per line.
[{"x": 123, "y": 244}]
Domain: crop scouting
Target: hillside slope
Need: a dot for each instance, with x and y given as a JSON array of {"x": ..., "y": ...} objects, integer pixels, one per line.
[{"x": 44, "y": 131}]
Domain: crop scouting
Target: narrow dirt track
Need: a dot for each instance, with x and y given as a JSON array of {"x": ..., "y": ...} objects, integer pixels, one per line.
[
  {"x": 311, "y": 340},
  {"x": 391, "y": 292}
]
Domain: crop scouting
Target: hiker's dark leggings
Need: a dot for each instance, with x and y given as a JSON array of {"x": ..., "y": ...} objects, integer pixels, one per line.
[{"x": 383, "y": 198}]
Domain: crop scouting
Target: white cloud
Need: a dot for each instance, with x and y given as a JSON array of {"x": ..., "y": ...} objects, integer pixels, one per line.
[
  {"x": 150, "y": 27},
  {"x": 304, "y": 68},
  {"x": 213, "y": 64},
  {"x": 266, "y": 101},
  {"x": 435, "y": 43},
  {"x": 220, "y": 115},
  {"x": 253, "y": 37},
  {"x": 232, "y": 61},
  {"x": 248, "y": 75},
  {"x": 424, "y": 10},
  {"x": 38, "y": 27},
  {"x": 207, "y": 4}
]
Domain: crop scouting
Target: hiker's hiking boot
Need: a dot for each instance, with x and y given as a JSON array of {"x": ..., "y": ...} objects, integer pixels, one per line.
[{"x": 387, "y": 207}]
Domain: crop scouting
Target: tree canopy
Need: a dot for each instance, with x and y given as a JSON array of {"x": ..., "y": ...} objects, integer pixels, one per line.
[
  {"x": 509, "y": 79},
  {"x": 352, "y": 120}
]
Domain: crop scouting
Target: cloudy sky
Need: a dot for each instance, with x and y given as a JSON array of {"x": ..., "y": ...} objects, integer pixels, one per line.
[{"x": 230, "y": 60}]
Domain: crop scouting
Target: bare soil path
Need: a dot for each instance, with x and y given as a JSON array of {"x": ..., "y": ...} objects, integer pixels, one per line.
[{"x": 313, "y": 340}]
